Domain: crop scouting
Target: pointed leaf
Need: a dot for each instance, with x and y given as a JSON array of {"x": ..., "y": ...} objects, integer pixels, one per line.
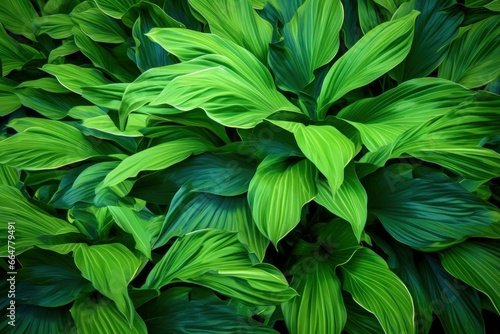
[
  {"x": 277, "y": 193},
  {"x": 376, "y": 53},
  {"x": 376, "y": 288}
]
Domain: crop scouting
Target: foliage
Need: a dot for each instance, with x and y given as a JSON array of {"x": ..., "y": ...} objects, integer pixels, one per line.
[{"x": 260, "y": 166}]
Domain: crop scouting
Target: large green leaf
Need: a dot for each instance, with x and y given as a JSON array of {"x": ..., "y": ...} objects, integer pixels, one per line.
[
  {"x": 130, "y": 222},
  {"x": 309, "y": 41},
  {"x": 155, "y": 158},
  {"x": 319, "y": 308},
  {"x": 376, "y": 288},
  {"x": 381, "y": 49},
  {"x": 172, "y": 312},
  {"x": 237, "y": 21},
  {"x": 57, "y": 26},
  {"x": 429, "y": 214},
  {"x": 17, "y": 16},
  {"x": 190, "y": 211},
  {"x": 103, "y": 316},
  {"x": 326, "y": 147},
  {"x": 75, "y": 77},
  {"x": 473, "y": 59},
  {"x": 217, "y": 260},
  {"x": 435, "y": 29},
  {"x": 100, "y": 27},
  {"x": 476, "y": 263},
  {"x": 277, "y": 193},
  {"x": 31, "y": 224},
  {"x": 110, "y": 268},
  {"x": 456, "y": 305},
  {"x": 46, "y": 144},
  {"x": 349, "y": 201},
  {"x": 452, "y": 140},
  {"x": 380, "y": 120},
  {"x": 50, "y": 105}
]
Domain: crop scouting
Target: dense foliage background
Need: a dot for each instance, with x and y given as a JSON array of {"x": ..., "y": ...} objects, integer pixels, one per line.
[{"x": 250, "y": 166}]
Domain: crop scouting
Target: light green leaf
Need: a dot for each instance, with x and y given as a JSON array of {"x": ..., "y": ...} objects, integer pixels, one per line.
[
  {"x": 376, "y": 288},
  {"x": 476, "y": 263},
  {"x": 326, "y": 147},
  {"x": 236, "y": 20},
  {"x": 380, "y": 120},
  {"x": 310, "y": 40},
  {"x": 381, "y": 49},
  {"x": 130, "y": 222},
  {"x": 473, "y": 59},
  {"x": 47, "y": 144},
  {"x": 319, "y": 308},
  {"x": 31, "y": 224},
  {"x": 136, "y": 122},
  {"x": 9, "y": 102},
  {"x": 100, "y": 27},
  {"x": 217, "y": 260},
  {"x": 75, "y": 77},
  {"x": 50, "y": 85},
  {"x": 428, "y": 214},
  {"x": 103, "y": 316},
  {"x": 116, "y": 8},
  {"x": 67, "y": 48},
  {"x": 110, "y": 268},
  {"x": 349, "y": 201},
  {"x": 155, "y": 158},
  {"x": 57, "y": 26},
  {"x": 191, "y": 211},
  {"x": 277, "y": 193},
  {"x": 452, "y": 140},
  {"x": 106, "y": 96},
  {"x": 435, "y": 28},
  {"x": 9, "y": 176},
  {"x": 456, "y": 305},
  {"x": 17, "y": 16}
]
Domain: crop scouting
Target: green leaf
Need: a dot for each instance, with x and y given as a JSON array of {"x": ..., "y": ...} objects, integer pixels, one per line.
[
  {"x": 67, "y": 48},
  {"x": 217, "y": 260},
  {"x": 435, "y": 28},
  {"x": 380, "y": 120},
  {"x": 57, "y": 26},
  {"x": 50, "y": 105},
  {"x": 75, "y": 77},
  {"x": 456, "y": 305},
  {"x": 102, "y": 58},
  {"x": 277, "y": 193},
  {"x": 136, "y": 123},
  {"x": 9, "y": 176},
  {"x": 130, "y": 222},
  {"x": 9, "y": 102},
  {"x": 310, "y": 40},
  {"x": 103, "y": 316},
  {"x": 359, "y": 320},
  {"x": 381, "y": 49},
  {"x": 476, "y": 263},
  {"x": 377, "y": 289},
  {"x": 191, "y": 211},
  {"x": 110, "y": 268},
  {"x": 172, "y": 312},
  {"x": 39, "y": 320},
  {"x": 349, "y": 201},
  {"x": 48, "y": 279},
  {"x": 14, "y": 55},
  {"x": 428, "y": 214},
  {"x": 149, "y": 54},
  {"x": 155, "y": 158},
  {"x": 326, "y": 147},
  {"x": 106, "y": 96},
  {"x": 236, "y": 20},
  {"x": 47, "y": 144},
  {"x": 30, "y": 223},
  {"x": 17, "y": 16},
  {"x": 473, "y": 59},
  {"x": 100, "y": 27},
  {"x": 319, "y": 308},
  {"x": 116, "y": 8},
  {"x": 50, "y": 85}
]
